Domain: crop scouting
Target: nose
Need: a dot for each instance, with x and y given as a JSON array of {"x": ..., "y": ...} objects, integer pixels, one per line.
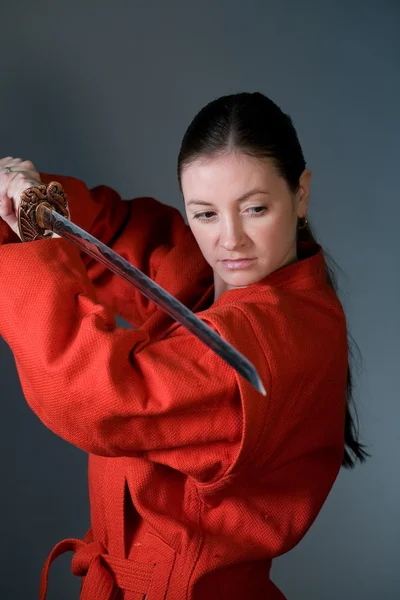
[{"x": 232, "y": 235}]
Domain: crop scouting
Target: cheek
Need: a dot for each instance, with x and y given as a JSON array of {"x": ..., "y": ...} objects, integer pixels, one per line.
[
  {"x": 271, "y": 234},
  {"x": 205, "y": 238}
]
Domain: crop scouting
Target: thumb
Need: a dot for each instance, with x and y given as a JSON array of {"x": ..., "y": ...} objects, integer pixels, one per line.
[{"x": 7, "y": 213}]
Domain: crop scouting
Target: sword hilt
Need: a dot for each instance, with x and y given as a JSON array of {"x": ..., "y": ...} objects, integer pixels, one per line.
[{"x": 31, "y": 222}]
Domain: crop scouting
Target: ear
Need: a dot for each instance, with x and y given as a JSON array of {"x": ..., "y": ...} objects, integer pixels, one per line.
[{"x": 303, "y": 193}]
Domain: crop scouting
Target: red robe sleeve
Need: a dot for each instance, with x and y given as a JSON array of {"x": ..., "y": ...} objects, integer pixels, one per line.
[
  {"x": 142, "y": 230},
  {"x": 109, "y": 390}
]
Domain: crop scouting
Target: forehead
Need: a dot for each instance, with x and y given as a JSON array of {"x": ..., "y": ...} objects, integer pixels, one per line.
[{"x": 227, "y": 176}]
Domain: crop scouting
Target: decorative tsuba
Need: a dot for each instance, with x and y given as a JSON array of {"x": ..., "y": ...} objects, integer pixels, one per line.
[{"x": 30, "y": 214}]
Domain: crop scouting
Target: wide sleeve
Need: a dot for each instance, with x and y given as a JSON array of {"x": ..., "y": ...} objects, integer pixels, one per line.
[
  {"x": 108, "y": 390},
  {"x": 142, "y": 230},
  {"x": 283, "y": 475}
]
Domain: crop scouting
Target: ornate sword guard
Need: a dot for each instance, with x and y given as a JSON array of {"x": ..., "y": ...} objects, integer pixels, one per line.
[{"x": 30, "y": 214}]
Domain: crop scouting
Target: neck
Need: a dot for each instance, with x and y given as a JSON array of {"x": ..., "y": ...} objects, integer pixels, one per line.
[{"x": 219, "y": 286}]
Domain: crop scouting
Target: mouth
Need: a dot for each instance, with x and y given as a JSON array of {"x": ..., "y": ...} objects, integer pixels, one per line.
[{"x": 240, "y": 263}]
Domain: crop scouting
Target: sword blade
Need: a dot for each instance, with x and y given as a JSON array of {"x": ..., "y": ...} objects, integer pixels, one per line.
[{"x": 57, "y": 223}]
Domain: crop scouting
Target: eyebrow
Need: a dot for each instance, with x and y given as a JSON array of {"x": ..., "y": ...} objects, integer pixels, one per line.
[{"x": 239, "y": 200}]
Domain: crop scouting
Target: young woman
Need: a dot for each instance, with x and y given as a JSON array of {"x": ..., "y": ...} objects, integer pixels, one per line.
[{"x": 196, "y": 481}]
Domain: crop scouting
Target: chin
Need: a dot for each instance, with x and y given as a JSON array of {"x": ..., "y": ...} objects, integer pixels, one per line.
[{"x": 243, "y": 280}]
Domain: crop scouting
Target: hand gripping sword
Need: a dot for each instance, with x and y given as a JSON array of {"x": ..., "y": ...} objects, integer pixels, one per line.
[{"x": 44, "y": 210}]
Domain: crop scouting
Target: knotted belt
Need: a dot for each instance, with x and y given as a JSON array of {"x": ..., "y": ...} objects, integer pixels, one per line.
[{"x": 104, "y": 574}]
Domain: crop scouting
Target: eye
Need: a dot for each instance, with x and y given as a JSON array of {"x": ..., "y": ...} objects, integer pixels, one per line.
[
  {"x": 205, "y": 216},
  {"x": 256, "y": 211}
]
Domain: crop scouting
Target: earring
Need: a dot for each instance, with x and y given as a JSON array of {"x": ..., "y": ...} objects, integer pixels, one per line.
[{"x": 304, "y": 223}]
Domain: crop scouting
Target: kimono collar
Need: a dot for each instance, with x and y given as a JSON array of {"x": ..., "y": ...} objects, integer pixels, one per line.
[{"x": 308, "y": 272}]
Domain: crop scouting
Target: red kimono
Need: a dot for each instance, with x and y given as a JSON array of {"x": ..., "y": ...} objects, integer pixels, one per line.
[{"x": 196, "y": 481}]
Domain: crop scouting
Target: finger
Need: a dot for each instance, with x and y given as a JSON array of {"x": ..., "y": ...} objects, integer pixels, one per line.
[
  {"x": 7, "y": 213},
  {"x": 11, "y": 200},
  {"x": 16, "y": 164},
  {"x": 12, "y": 221},
  {"x": 6, "y": 206},
  {"x": 20, "y": 166},
  {"x": 18, "y": 184},
  {"x": 6, "y": 181},
  {"x": 4, "y": 161},
  {"x": 10, "y": 161},
  {"x": 27, "y": 165}
]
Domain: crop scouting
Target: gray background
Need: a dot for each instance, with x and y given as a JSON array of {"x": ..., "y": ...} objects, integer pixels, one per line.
[{"x": 104, "y": 91}]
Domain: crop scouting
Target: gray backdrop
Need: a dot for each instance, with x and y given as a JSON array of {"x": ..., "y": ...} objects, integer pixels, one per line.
[{"x": 104, "y": 91}]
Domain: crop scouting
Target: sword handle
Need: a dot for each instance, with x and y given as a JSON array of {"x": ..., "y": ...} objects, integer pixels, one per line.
[{"x": 31, "y": 222}]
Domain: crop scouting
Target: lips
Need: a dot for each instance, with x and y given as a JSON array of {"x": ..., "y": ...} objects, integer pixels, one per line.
[{"x": 238, "y": 263}]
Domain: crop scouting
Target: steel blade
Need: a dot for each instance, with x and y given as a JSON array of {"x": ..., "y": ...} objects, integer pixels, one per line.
[{"x": 55, "y": 222}]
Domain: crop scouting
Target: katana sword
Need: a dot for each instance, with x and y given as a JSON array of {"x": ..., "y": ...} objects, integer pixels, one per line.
[{"x": 44, "y": 210}]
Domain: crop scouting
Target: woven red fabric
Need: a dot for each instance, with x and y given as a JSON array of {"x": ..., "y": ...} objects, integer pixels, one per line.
[{"x": 196, "y": 481}]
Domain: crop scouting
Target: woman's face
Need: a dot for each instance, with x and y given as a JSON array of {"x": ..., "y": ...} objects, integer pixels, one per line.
[{"x": 243, "y": 216}]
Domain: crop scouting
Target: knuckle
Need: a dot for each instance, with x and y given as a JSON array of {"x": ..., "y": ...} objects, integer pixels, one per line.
[{"x": 28, "y": 165}]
